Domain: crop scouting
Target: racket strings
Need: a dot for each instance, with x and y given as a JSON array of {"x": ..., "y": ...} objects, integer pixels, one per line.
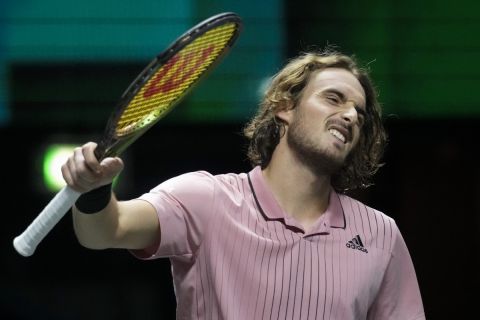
[
  {"x": 138, "y": 110},
  {"x": 169, "y": 82}
]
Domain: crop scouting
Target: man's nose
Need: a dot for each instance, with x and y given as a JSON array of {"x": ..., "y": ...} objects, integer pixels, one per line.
[{"x": 349, "y": 112}]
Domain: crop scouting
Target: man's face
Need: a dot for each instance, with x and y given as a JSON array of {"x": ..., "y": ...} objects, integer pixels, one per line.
[{"x": 325, "y": 125}]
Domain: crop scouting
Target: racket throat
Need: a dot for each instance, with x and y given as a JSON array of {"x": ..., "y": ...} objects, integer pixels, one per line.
[{"x": 116, "y": 146}]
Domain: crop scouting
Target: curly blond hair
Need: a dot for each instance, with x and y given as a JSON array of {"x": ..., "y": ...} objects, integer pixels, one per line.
[{"x": 264, "y": 130}]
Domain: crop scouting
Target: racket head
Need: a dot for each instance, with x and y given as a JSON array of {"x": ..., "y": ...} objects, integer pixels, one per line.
[{"x": 167, "y": 79}]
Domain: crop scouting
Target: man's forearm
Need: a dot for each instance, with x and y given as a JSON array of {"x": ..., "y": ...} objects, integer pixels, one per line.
[{"x": 98, "y": 230}]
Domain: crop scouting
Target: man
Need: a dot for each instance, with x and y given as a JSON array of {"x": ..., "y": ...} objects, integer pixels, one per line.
[{"x": 282, "y": 241}]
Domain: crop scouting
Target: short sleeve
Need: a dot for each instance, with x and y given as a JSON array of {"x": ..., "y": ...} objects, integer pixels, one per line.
[
  {"x": 399, "y": 295},
  {"x": 184, "y": 205}
]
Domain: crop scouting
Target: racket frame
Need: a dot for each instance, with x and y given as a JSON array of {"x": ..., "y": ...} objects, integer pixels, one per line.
[{"x": 113, "y": 145}]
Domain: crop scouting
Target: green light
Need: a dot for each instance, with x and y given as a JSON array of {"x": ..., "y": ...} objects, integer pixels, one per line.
[{"x": 54, "y": 157}]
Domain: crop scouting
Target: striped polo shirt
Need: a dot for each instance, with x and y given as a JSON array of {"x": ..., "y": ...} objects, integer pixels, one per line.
[{"x": 235, "y": 254}]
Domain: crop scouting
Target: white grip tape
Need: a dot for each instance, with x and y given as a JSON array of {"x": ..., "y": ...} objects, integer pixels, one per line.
[{"x": 27, "y": 242}]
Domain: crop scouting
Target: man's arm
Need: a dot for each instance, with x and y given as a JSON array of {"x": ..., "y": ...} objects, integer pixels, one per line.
[
  {"x": 129, "y": 224},
  {"x": 399, "y": 295},
  {"x": 113, "y": 224}
]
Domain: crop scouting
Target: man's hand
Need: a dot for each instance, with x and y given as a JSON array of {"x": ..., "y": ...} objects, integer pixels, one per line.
[{"x": 82, "y": 171}]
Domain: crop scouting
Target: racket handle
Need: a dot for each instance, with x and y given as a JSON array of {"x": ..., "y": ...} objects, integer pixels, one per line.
[{"x": 27, "y": 242}]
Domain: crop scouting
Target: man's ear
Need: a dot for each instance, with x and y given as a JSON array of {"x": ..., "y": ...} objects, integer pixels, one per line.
[{"x": 286, "y": 114}]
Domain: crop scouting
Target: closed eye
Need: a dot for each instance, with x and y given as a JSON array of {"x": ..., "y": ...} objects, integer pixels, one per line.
[
  {"x": 334, "y": 98},
  {"x": 362, "y": 114}
]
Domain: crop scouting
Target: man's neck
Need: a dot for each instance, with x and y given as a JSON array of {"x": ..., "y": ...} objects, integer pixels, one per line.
[{"x": 301, "y": 193}]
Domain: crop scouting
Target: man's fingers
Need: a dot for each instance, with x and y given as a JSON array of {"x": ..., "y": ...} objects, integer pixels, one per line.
[
  {"x": 88, "y": 152},
  {"x": 83, "y": 172},
  {"x": 112, "y": 166}
]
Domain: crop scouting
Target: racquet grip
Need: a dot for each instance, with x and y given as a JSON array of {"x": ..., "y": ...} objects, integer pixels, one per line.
[{"x": 27, "y": 242}]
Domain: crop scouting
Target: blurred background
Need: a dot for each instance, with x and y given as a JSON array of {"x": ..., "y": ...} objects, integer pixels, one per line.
[{"x": 64, "y": 64}]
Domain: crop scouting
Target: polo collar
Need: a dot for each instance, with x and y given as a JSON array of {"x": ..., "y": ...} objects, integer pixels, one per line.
[{"x": 334, "y": 216}]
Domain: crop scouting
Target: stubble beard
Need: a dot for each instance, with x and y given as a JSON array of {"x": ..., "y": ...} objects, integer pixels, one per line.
[{"x": 311, "y": 153}]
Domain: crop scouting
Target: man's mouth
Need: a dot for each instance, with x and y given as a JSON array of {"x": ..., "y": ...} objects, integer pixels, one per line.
[{"x": 337, "y": 134}]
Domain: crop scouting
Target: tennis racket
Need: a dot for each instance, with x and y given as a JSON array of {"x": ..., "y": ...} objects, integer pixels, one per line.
[{"x": 159, "y": 87}]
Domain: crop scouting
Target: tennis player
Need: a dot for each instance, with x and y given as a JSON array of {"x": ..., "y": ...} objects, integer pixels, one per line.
[{"x": 282, "y": 241}]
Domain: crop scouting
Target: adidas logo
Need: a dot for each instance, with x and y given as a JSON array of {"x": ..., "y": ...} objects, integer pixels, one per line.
[{"x": 356, "y": 243}]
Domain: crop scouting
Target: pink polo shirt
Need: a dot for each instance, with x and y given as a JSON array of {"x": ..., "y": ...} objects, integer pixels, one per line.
[{"x": 235, "y": 254}]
